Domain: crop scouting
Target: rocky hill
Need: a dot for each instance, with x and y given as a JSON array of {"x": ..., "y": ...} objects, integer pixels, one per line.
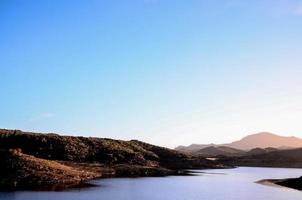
[
  {"x": 213, "y": 151},
  {"x": 34, "y": 159},
  {"x": 23, "y": 171}
]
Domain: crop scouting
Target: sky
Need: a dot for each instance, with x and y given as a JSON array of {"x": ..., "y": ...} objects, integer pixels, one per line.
[{"x": 168, "y": 72}]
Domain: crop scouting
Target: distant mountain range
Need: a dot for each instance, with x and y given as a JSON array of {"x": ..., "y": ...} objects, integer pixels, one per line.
[
  {"x": 290, "y": 158},
  {"x": 259, "y": 142}
]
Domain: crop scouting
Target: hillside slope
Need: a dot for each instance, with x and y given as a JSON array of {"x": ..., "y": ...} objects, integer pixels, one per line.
[
  {"x": 219, "y": 151},
  {"x": 18, "y": 170},
  {"x": 49, "y": 155},
  {"x": 282, "y": 158}
]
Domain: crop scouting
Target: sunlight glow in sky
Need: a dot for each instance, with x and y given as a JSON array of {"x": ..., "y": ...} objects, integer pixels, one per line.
[{"x": 168, "y": 72}]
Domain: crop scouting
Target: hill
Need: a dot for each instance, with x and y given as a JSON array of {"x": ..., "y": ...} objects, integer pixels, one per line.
[
  {"x": 256, "y": 151},
  {"x": 193, "y": 147},
  {"x": 213, "y": 151},
  {"x": 291, "y": 158},
  {"x": 259, "y": 140},
  {"x": 23, "y": 171},
  {"x": 98, "y": 157}
]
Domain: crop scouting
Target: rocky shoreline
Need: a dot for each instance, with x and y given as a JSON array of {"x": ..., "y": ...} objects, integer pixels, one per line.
[
  {"x": 33, "y": 161},
  {"x": 25, "y": 172},
  {"x": 293, "y": 183}
]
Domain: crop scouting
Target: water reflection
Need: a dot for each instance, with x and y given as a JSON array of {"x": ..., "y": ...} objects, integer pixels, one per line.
[{"x": 219, "y": 184}]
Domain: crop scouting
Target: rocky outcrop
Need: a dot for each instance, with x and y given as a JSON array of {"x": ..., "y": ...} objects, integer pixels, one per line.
[{"x": 21, "y": 171}]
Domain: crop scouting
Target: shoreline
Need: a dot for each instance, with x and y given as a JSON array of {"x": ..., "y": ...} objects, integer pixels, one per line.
[
  {"x": 81, "y": 177},
  {"x": 289, "y": 183},
  {"x": 126, "y": 172},
  {"x": 129, "y": 171},
  {"x": 269, "y": 182},
  {"x": 33, "y": 161}
]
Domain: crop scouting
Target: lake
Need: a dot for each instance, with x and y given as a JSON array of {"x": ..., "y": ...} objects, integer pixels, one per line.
[{"x": 218, "y": 184}]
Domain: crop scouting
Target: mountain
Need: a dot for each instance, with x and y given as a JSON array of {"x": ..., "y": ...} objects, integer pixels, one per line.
[
  {"x": 264, "y": 140},
  {"x": 259, "y": 140},
  {"x": 219, "y": 151}
]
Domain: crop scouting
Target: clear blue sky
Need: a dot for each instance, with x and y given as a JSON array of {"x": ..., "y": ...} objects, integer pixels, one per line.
[{"x": 167, "y": 72}]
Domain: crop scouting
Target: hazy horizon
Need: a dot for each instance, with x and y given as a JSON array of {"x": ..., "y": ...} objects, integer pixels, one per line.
[
  {"x": 178, "y": 145},
  {"x": 165, "y": 72}
]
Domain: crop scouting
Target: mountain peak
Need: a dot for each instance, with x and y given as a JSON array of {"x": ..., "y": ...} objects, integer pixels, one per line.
[
  {"x": 266, "y": 139},
  {"x": 257, "y": 140},
  {"x": 261, "y": 134}
]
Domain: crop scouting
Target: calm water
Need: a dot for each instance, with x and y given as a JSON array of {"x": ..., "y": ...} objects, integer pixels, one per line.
[{"x": 223, "y": 184}]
